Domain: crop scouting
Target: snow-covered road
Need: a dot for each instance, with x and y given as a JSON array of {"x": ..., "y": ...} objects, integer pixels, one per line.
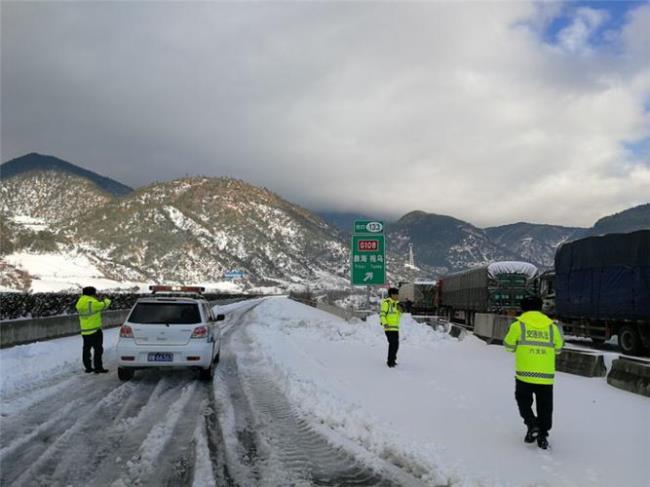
[
  {"x": 303, "y": 398},
  {"x": 60, "y": 427}
]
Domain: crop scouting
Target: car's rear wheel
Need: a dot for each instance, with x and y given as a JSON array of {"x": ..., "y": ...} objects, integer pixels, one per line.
[
  {"x": 124, "y": 373},
  {"x": 207, "y": 374}
]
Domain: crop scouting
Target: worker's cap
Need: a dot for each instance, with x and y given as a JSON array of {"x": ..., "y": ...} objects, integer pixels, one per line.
[
  {"x": 89, "y": 291},
  {"x": 393, "y": 291}
]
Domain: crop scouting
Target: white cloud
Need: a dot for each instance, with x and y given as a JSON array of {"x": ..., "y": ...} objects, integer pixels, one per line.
[
  {"x": 454, "y": 108},
  {"x": 575, "y": 37}
]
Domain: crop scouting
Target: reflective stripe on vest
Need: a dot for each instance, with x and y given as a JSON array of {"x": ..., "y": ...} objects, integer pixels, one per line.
[
  {"x": 531, "y": 343},
  {"x": 536, "y": 375},
  {"x": 90, "y": 310},
  {"x": 84, "y": 330}
]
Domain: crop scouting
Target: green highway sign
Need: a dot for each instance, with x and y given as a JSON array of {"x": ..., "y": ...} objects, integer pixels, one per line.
[
  {"x": 368, "y": 262},
  {"x": 368, "y": 227}
]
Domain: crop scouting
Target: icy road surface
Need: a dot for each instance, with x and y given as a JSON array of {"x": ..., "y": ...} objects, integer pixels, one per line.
[{"x": 303, "y": 398}]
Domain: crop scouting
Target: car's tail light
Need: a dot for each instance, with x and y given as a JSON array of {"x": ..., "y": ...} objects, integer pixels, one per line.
[
  {"x": 193, "y": 358},
  {"x": 200, "y": 332},
  {"x": 126, "y": 331}
]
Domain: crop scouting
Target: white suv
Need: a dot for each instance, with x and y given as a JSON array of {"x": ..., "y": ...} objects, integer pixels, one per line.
[{"x": 169, "y": 331}]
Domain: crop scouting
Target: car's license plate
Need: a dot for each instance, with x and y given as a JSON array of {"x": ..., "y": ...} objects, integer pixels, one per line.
[{"x": 160, "y": 357}]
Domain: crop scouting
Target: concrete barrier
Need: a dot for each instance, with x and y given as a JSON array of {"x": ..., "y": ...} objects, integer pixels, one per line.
[
  {"x": 581, "y": 362},
  {"x": 442, "y": 325},
  {"x": 493, "y": 328},
  {"x": 630, "y": 375},
  {"x": 18, "y": 332}
]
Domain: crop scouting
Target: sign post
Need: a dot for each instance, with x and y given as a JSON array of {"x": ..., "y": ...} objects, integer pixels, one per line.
[{"x": 368, "y": 256}]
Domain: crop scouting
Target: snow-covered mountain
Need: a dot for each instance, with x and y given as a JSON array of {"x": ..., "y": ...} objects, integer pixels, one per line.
[
  {"x": 40, "y": 162},
  {"x": 443, "y": 243},
  {"x": 195, "y": 229},
  {"x": 59, "y": 229},
  {"x": 188, "y": 230},
  {"x": 42, "y": 199},
  {"x": 630, "y": 220},
  {"x": 533, "y": 242}
]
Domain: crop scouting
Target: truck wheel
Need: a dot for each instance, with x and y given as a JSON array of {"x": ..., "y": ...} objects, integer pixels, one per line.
[
  {"x": 629, "y": 340},
  {"x": 124, "y": 373}
]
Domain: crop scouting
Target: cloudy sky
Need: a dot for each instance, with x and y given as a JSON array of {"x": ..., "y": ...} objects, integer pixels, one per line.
[{"x": 492, "y": 112}]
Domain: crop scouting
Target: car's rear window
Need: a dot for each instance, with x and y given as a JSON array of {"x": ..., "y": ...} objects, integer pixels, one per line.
[{"x": 165, "y": 313}]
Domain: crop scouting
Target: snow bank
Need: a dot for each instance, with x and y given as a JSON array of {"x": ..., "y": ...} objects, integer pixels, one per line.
[{"x": 447, "y": 412}]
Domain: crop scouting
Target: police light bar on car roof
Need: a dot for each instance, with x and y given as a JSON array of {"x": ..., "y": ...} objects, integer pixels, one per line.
[{"x": 177, "y": 289}]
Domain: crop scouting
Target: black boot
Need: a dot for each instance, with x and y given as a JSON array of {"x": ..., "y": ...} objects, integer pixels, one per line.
[
  {"x": 531, "y": 434},
  {"x": 542, "y": 441}
]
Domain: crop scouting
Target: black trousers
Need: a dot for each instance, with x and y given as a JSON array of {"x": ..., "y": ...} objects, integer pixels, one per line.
[
  {"x": 96, "y": 342},
  {"x": 393, "y": 346},
  {"x": 543, "y": 399}
]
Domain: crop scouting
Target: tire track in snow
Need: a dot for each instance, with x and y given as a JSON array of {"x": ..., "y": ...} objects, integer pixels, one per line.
[
  {"x": 34, "y": 432},
  {"x": 45, "y": 464},
  {"x": 143, "y": 463},
  {"x": 85, "y": 442},
  {"x": 125, "y": 443},
  {"x": 274, "y": 441},
  {"x": 51, "y": 396}
]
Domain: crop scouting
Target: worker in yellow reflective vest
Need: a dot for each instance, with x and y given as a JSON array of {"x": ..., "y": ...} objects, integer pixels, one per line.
[
  {"x": 90, "y": 320},
  {"x": 535, "y": 340},
  {"x": 390, "y": 316}
]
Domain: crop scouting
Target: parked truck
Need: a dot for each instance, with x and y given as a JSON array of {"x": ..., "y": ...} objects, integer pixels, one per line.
[
  {"x": 418, "y": 298},
  {"x": 496, "y": 288},
  {"x": 602, "y": 288}
]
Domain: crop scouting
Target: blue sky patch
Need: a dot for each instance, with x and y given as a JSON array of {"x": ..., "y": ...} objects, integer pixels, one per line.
[
  {"x": 639, "y": 149},
  {"x": 616, "y": 18}
]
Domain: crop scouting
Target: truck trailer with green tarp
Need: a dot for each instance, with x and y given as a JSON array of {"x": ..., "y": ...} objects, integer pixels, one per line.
[{"x": 495, "y": 288}]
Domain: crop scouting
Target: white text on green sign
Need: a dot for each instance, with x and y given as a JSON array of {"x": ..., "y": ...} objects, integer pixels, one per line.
[
  {"x": 368, "y": 226},
  {"x": 368, "y": 260}
]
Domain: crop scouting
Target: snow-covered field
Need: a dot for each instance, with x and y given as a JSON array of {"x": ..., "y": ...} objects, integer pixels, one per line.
[
  {"x": 55, "y": 272},
  {"x": 446, "y": 415}
]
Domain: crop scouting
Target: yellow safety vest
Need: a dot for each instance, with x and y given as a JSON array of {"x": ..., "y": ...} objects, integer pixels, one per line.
[
  {"x": 536, "y": 340},
  {"x": 390, "y": 314},
  {"x": 90, "y": 313}
]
